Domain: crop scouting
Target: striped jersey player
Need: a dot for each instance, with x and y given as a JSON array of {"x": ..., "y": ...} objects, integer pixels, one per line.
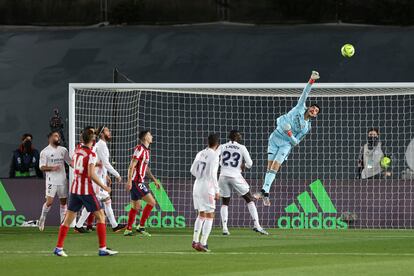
[
  {"x": 82, "y": 194},
  {"x": 138, "y": 169}
]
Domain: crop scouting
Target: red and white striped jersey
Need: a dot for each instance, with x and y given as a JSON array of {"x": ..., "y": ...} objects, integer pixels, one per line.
[
  {"x": 82, "y": 183},
  {"x": 141, "y": 154}
]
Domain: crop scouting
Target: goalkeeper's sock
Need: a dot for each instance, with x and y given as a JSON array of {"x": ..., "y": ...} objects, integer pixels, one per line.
[
  {"x": 208, "y": 224},
  {"x": 270, "y": 176},
  {"x": 224, "y": 212},
  {"x": 253, "y": 212},
  {"x": 197, "y": 228}
]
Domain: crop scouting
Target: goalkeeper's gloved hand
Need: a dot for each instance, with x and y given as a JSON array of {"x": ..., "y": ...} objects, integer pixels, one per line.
[
  {"x": 314, "y": 76},
  {"x": 288, "y": 129}
]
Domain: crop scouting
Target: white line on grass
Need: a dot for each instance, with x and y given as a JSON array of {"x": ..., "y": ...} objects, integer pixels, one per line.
[{"x": 220, "y": 253}]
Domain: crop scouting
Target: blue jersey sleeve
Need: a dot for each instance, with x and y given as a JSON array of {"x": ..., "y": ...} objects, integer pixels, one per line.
[{"x": 303, "y": 97}]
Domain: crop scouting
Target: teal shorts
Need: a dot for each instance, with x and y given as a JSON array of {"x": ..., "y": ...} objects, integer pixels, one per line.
[{"x": 279, "y": 147}]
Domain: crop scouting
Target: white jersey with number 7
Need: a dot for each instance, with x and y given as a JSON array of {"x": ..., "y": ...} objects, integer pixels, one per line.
[{"x": 204, "y": 169}]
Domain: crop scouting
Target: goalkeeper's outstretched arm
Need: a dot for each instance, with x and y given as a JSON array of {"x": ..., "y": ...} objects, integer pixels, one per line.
[{"x": 301, "y": 103}]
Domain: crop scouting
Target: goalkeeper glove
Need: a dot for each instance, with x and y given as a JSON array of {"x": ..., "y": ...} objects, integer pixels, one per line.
[
  {"x": 314, "y": 76},
  {"x": 288, "y": 129}
]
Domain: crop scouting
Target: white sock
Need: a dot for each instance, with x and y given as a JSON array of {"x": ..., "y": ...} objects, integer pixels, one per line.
[
  {"x": 63, "y": 209},
  {"x": 110, "y": 213},
  {"x": 198, "y": 224},
  {"x": 84, "y": 216},
  {"x": 45, "y": 210},
  {"x": 208, "y": 224},
  {"x": 253, "y": 212},
  {"x": 224, "y": 212}
]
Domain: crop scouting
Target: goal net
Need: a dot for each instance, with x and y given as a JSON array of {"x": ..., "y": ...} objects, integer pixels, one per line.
[{"x": 319, "y": 186}]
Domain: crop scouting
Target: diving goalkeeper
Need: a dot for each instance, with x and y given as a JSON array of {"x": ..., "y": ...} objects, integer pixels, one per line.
[{"x": 290, "y": 130}]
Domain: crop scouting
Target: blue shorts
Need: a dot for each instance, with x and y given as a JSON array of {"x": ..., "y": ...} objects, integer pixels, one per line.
[
  {"x": 279, "y": 148},
  {"x": 76, "y": 202},
  {"x": 138, "y": 191}
]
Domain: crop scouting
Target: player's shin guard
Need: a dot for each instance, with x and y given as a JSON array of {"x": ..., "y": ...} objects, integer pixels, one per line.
[
  {"x": 131, "y": 218},
  {"x": 63, "y": 231},
  {"x": 198, "y": 224},
  {"x": 101, "y": 231},
  {"x": 110, "y": 213},
  {"x": 253, "y": 212},
  {"x": 270, "y": 176},
  {"x": 84, "y": 215},
  {"x": 224, "y": 213},
  {"x": 63, "y": 209},
  {"x": 208, "y": 224},
  {"x": 145, "y": 214}
]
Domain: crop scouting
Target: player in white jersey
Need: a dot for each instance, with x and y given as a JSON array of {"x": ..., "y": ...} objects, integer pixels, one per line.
[
  {"x": 205, "y": 191},
  {"x": 235, "y": 158},
  {"x": 52, "y": 162},
  {"x": 102, "y": 153}
]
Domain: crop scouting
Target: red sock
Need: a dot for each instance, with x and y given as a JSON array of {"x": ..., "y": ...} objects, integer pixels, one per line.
[
  {"x": 90, "y": 219},
  {"x": 101, "y": 231},
  {"x": 131, "y": 218},
  {"x": 145, "y": 214},
  {"x": 63, "y": 231}
]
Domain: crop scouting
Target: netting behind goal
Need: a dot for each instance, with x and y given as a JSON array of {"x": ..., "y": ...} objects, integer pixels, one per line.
[{"x": 317, "y": 187}]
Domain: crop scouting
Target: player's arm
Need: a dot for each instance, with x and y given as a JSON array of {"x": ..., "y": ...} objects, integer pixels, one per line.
[
  {"x": 150, "y": 175},
  {"x": 288, "y": 129},
  {"x": 131, "y": 170},
  {"x": 103, "y": 154},
  {"x": 95, "y": 178},
  {"x": 67, "y": 158},
  {"x": 248, "y": 162},
  {"x": 360, "y": 166},
  {"x": 193, "y": 169},
  {"x": 301, "y": 103},
  {"x": 42, "y": 164}
]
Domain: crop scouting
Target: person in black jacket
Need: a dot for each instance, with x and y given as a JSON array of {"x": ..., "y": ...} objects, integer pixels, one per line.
[{"x": 25, "y": 160}]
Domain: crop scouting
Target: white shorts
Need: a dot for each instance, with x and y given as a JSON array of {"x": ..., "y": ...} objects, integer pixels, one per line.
[
  {"x": 60, "y": 190},
  {"x": 204, "y": 202},
  {"x": 228, "y": 183}
]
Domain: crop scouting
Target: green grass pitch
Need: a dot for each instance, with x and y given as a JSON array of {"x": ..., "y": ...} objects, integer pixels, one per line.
[{"x": 26, "y": 251}]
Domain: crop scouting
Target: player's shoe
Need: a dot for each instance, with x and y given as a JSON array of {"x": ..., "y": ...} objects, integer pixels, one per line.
[
  {"x": 90, "y": 228},
  {"x": 261, "y": 231},
  {"x": 203, "y": 248},
  {"x": 107, "y": 252},
  {"x": 119, "y": 228},
  {"x": 196, "y": 245},
  {"x": 226, "y": 233},
  {"x": 266, "y": 201},
  {"x": 142, "y": 231},
  {"x": 59, "y": 252},
  {"x": 128, "y": 232},
  {"x": 42, "y": 224},
  {"x": 258, "y": 195},
  {"x": 80, "y": 230}
]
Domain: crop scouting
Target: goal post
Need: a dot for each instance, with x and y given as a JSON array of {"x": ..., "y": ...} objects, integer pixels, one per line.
[{"x": 319, "y": 186}]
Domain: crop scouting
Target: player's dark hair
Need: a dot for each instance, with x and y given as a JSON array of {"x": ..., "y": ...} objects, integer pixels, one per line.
[
  {"x": 24, "y": 136},
  {"x": 88, "y": 127},
  {"x": 87, "y": 135},
  {"x": 213, "y": 140},
  {"x": 316, "y": 105},
  {"x": 374, "y": 129},
  {"x": 51, "y": 133},
  {"x": 142, "y": 134},
  {"x": 233, "y": 134}
]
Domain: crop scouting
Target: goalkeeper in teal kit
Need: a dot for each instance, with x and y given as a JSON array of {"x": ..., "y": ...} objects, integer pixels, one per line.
[{"x": 290, "y": 130}]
